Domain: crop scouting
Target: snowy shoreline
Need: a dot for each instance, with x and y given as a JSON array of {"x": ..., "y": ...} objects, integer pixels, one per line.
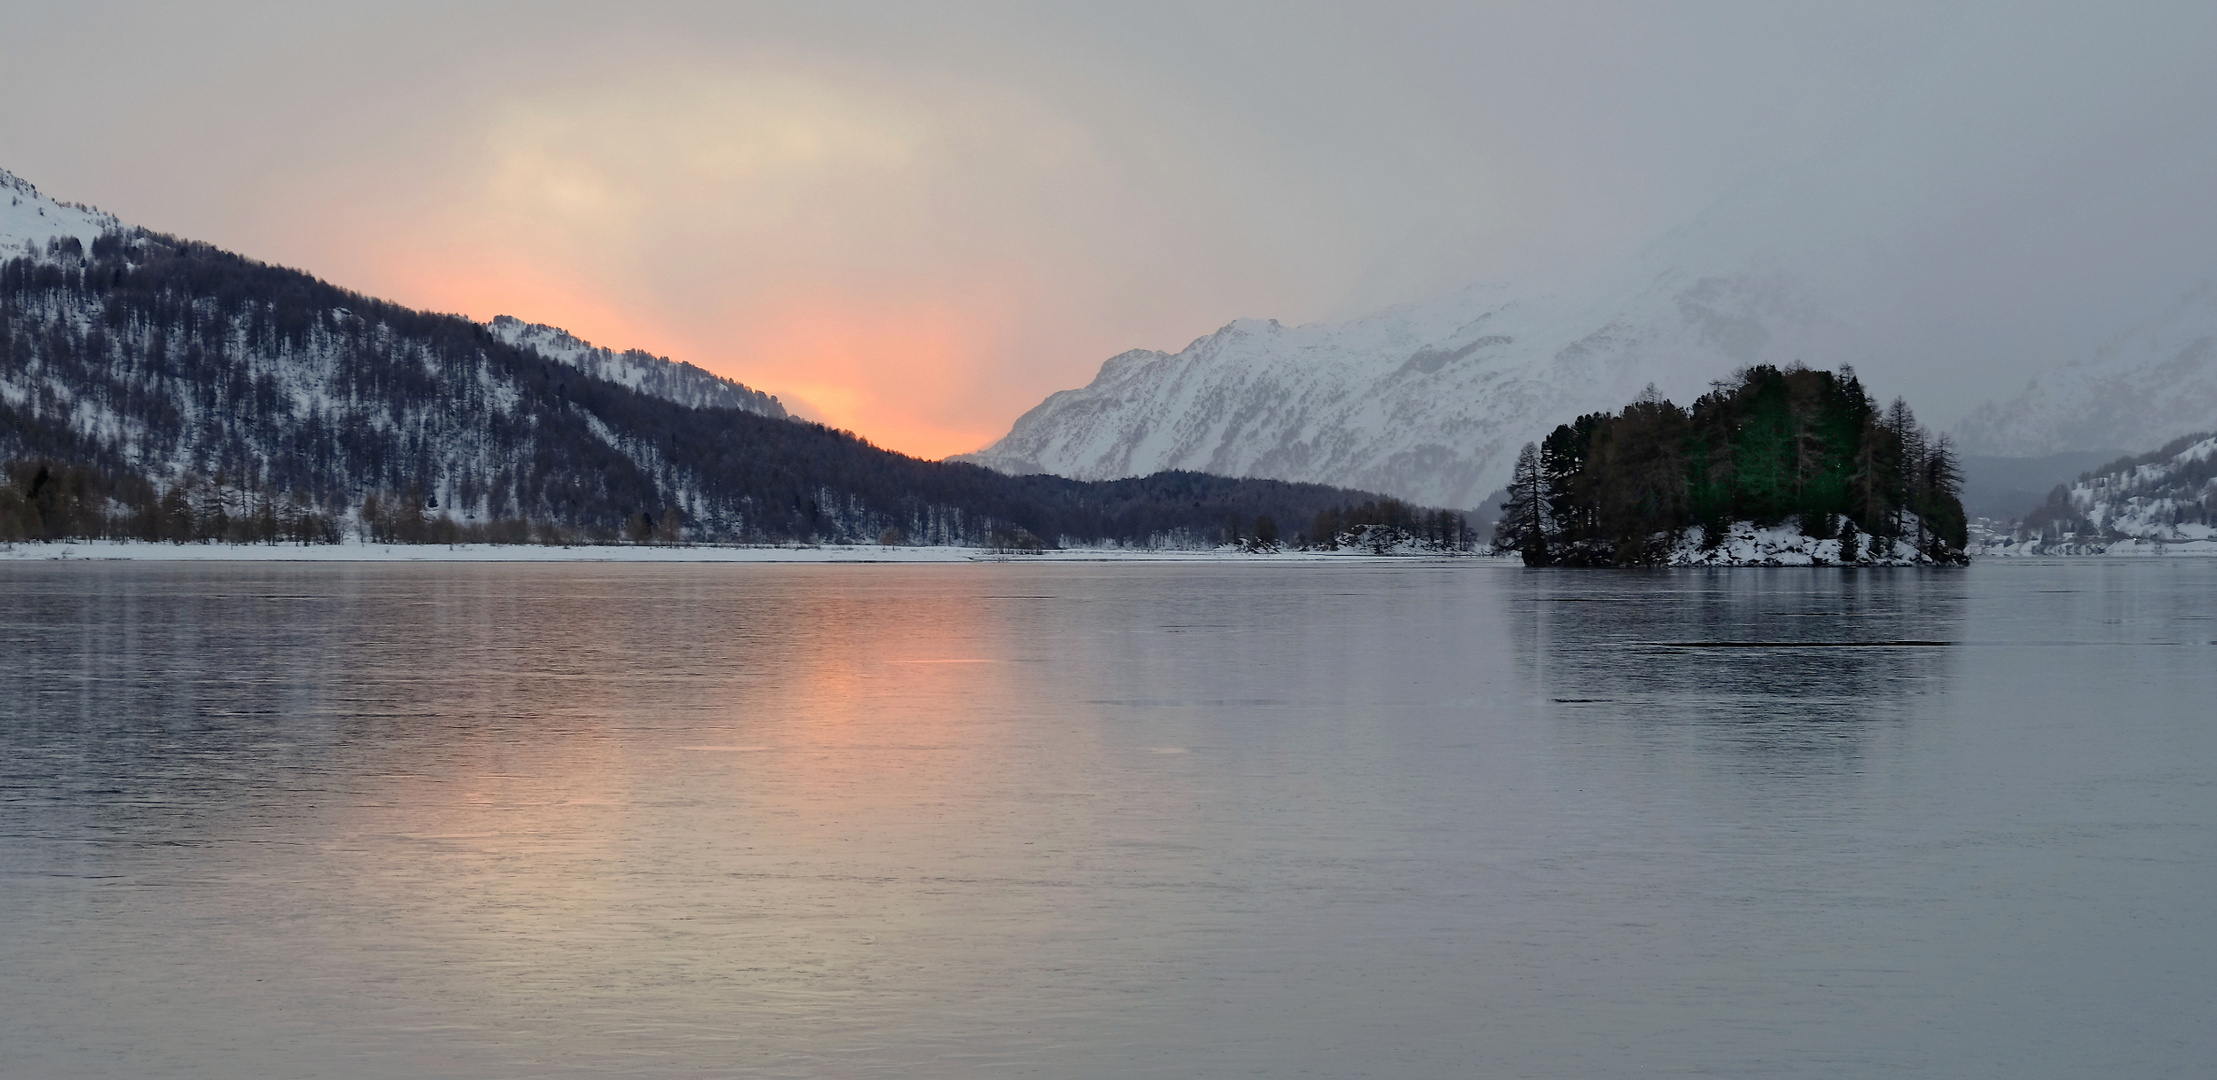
[
  {"x": 2128, "y": 548},
  {"x": 142, "y": 551},
  {"x": 1742, "y": 550}
]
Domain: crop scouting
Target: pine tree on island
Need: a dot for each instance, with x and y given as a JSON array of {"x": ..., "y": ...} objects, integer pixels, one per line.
[{"x": 1792, "y": 447}]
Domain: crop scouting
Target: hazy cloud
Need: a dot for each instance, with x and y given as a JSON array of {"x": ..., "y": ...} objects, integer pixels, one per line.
[{"x": 920, "y": 221}]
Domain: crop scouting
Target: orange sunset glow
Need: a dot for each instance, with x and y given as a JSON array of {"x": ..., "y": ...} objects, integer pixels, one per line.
[
  {"x": 916, "y": 259},
  {"x": 884, "y": 368},
  {"x": 901, "y": 371}
]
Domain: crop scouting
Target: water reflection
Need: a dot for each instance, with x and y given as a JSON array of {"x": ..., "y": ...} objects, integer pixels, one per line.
[
  {"x": 1405, "y": 820},
  {"x": 1781, "y": 662},
  {"x": 591, "y": 814}
]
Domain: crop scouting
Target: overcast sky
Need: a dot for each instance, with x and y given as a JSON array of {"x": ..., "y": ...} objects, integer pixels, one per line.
[{"x": 917, "y": 220}]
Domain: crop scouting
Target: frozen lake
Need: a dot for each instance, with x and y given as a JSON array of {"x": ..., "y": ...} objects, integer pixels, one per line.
[{"x": 1107, "y": 820}]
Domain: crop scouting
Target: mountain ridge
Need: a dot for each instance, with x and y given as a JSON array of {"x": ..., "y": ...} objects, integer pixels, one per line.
[
  {"x": 188, "y": 383},
  {"x": 2141, "y": 388},
  {"x": 1427, "y": 401},
  {"x": 638, "y": 369},
  {"x": 32, "y": 220}
]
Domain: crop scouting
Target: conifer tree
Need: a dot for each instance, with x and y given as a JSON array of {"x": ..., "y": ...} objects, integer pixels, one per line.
[{"x": 1523, "y": 526}]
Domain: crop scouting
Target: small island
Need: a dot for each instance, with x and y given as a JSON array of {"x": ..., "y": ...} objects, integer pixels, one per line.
[{"x": 1785, "y": 467}]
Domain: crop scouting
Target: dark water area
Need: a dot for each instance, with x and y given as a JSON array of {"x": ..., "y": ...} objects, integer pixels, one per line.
[{"x": 1360, "y": 820}]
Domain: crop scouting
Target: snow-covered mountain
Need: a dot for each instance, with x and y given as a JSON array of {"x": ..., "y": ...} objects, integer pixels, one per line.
[
  {"x": 2154, "y": 504},
  {"x": 645, "y": 372},
  {"x": 2141, "y": 389},
  {"x": 167, "y": 359},
  {"x": 32, "y": 223},
  {"x": 162, "y": 388},
  {"x": 1427, "y": 401}
]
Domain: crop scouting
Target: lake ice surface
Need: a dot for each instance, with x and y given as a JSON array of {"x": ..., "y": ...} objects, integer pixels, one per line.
[{"x": 1099, "y": 820}]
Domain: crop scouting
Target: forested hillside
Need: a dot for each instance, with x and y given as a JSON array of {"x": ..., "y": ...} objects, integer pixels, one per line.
[
  {"x": 1797, "y": 446},
  {"x": 2158, "y": 502},
  {"x": 162, "y": 388}
]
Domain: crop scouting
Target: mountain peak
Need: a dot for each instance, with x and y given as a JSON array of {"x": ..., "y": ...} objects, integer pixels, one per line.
[
  {"x": 30, "y": 221},
  {"x": 2140, "y": 389}
]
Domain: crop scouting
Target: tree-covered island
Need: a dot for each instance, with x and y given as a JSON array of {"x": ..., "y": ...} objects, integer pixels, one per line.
[{"x": 1784, "y": 466}]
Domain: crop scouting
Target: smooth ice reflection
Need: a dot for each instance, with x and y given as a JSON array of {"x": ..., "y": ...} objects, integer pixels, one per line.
[{"x": 1406, "y": 820}]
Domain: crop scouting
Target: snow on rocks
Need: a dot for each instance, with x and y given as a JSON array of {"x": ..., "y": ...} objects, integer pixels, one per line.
[{"x": 1746, "y": 544}]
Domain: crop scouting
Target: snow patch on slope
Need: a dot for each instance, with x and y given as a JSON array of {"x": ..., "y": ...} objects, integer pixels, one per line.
[
  {"x": 29, "y": 220},
  {"x": 639, "y": 370}
]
